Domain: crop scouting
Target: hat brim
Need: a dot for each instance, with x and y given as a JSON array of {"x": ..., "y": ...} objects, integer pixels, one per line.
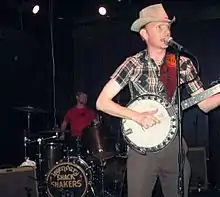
[{"x": 139, "y": 23}]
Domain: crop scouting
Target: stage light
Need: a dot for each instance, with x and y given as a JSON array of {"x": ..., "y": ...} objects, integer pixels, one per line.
[
  {"x": 36, "y": 9},
  {"x": 102, "y": 11}
]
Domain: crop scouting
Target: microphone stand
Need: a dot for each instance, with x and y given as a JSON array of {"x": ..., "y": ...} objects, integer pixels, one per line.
[
  {"x": 181, "y": 159},
  {"x": 179, "y": 123}
]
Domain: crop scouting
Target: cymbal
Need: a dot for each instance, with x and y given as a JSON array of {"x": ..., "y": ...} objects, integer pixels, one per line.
[{"x": 30, "y": 109}]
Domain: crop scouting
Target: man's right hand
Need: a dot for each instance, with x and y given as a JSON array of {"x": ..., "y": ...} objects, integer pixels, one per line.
[{"x": 147, "y": 119}]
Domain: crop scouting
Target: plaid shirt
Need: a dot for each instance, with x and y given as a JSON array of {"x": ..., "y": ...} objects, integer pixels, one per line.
[{"x": 142, "y": 75}]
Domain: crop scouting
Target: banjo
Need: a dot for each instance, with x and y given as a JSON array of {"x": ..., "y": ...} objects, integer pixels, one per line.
[{"x": 160, "y": 135}]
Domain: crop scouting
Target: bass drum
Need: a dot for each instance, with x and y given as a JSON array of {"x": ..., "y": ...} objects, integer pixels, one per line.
[{"x": 69, "y": 178}]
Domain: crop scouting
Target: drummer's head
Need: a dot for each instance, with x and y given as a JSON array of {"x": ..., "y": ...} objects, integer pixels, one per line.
[{"x": 81, "y": 98}]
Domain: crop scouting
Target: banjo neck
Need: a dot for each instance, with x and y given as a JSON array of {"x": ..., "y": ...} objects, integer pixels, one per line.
[{"x": 200, "y": 97}]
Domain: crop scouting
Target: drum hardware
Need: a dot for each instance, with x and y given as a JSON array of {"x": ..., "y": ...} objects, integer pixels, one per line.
[
  {"x": 39, "y": 159},
  {"x": 39, "y": 154},
  {"x": 110, "y": 176},
  {"x": 73, "y": 146},
  {"x": 26, "y": 141},
  {"x": 48, "y": 132},
  {"x": 92, "y": 189},
  {"x": 95, "y": 144},
  {"x": 29, "y": 110},
  {"x": 122, "y": 182},
  {"x": 102, "y": 181},
  {"x": 78, "y": 146},
  {"x": 27, "y": 132},
  {"x": 96, "y": 149},
  {"x": 40, "y": 171}
]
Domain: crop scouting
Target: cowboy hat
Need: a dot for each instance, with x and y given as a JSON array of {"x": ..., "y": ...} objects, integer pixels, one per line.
[{"x": 152, "y": 13}]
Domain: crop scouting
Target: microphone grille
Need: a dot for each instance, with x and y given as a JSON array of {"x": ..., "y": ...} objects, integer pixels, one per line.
[{"x": 168, "y": 40}]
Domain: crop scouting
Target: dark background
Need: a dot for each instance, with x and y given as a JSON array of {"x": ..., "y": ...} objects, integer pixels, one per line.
[{"x": 87, "y": 49}]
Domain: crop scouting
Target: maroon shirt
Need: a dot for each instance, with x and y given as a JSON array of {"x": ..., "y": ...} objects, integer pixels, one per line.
[{"x": 79, "y": 119}]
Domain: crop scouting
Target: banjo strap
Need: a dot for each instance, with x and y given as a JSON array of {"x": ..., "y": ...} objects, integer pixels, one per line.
[{"x": 168, "y": 75}]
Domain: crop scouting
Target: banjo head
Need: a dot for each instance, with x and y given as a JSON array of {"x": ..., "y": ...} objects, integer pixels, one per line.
[{"x": 154, "y": 138}]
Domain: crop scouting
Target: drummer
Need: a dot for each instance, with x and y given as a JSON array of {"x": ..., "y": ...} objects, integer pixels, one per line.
[{"x": 79, "y": 116}]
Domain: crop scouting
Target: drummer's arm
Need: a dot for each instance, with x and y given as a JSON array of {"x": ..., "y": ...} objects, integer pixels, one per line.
[
  {"x": 92, "y": 118},
  {"x": 62, "y": 129},
  {"x": 63, "y": 126}
]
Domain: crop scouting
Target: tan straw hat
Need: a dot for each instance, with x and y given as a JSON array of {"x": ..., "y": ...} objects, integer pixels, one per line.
[{"x": 153, "y": 13}]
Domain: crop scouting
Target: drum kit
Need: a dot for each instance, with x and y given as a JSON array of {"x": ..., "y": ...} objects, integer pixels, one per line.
[{"x": 70, "y": 166}]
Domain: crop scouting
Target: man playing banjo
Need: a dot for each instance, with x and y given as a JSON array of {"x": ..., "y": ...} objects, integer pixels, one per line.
[{"x": 152, "y": 72}]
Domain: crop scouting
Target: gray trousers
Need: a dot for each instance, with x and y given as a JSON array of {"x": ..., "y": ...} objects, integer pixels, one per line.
[{"x": 143, "y": 171}]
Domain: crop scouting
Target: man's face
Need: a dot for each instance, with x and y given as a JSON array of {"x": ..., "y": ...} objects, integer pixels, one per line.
[
  {"x": 82, "y": 98},
  {"x": 155, "y": 34}
]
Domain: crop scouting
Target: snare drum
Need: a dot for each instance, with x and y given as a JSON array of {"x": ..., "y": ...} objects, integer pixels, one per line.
[{"x": 69, "y": 178}]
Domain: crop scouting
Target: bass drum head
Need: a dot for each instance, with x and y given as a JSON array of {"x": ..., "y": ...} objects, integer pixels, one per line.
[{"x": 67, "y": 179}]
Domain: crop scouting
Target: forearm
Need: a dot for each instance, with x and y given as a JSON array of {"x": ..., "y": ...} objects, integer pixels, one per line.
[
  {"x": 114, "y": 109},
  {"x": 63, "y": 126},
  {"x": 210, "y": 103}
]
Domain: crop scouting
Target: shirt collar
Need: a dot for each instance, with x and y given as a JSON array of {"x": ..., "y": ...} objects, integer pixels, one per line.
[{"x": 146, "y": 58}]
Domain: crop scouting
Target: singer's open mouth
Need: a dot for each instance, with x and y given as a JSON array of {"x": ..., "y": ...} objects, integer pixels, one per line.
[{"x": 163, "y": 40}]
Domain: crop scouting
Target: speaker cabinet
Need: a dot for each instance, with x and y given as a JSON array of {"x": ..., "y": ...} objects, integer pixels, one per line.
[
  {"x": 18, "y": 182},
  {"x": 197, "y": 160}
]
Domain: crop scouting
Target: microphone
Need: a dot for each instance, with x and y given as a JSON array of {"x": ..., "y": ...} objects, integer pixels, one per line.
[
  {"x": 171, "y": 42},
  {"x": 179, "y": 47}
]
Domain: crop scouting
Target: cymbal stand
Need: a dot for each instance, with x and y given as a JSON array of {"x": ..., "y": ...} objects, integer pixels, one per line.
[
  {"x": 92, "y": 189},
  {"x": 29, "y": 122},
  {"x": 123, "y": 182},
  {"x": 26, "y": 140},
  {"x": 78, "y": 147},
  {"x": 41, "y": 186},
  {"x": 102, "y": 179},
  {"x": 105, "y": 193},
  {"x": 26, "y": 132},
  {"x": 39, "y": 140}
]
